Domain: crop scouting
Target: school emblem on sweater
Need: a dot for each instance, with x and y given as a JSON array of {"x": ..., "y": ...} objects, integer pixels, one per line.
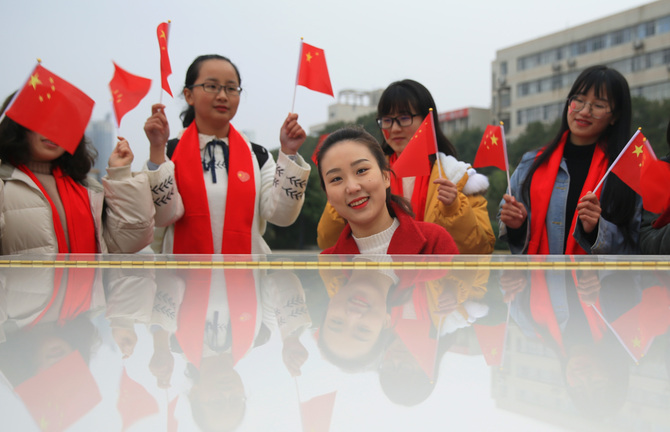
[{"x": 243, "y": 176}]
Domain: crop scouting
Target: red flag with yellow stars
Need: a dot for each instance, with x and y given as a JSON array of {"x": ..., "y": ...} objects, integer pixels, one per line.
[
  {"x": 491, "y": 150},
  {"x": 313, "y": 71},
  {"x": 162, "y": 32},
  {"x": 127, "y": 91},
  {"x": 413, "y": 161},
  {"x": 633, "y": 160},
  {"x": 134, "y": 402},
  {"x": 491, "y": 341},
  {"x": 52, "y": 107}
]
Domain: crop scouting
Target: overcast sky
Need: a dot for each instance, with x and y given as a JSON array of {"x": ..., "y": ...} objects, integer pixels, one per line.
[{"x": 446, "y": 45}]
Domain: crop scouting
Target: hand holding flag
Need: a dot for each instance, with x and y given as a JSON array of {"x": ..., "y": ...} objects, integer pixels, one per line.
[
  {"x": 127, "y": 91},
  {"x": 52, "y": 107}
]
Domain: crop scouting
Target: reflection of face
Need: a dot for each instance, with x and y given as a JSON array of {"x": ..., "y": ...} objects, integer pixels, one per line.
[
  {"x": 584, "y": 128},
  {"x": 41, "y": 149},
  {"x": 356, "y": 187},
  {"x": 51, "y": 351},
  {"x": 126, "y": 339},
  {"x": 219, "y": 394},
  {"x": 398, "y": 137},
  {"x": 357, "y": 314},
  {"x": 213, "y": 111}
]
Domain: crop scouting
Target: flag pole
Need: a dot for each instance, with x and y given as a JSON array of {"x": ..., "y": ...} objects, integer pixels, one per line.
[
  {"x": 502, "y": 351},
  {"x": 437, "y": 152},
  {"x": 623, "y": 344},
  {"x": 297, "y": 76},
  {"x": 437, "y": 350},
  {"x": 637, "y": 132},
  {"x": 502, "y": 130},
  {"x": 16, "y": 94}
]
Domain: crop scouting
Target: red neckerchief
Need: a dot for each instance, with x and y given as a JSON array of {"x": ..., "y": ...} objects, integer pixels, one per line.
[
  {"x": 541, "y": 188},
  {"x": 419, "y": 193},
  {"x": 193, "y": 232},
  {"x": 80, "y": 226}
]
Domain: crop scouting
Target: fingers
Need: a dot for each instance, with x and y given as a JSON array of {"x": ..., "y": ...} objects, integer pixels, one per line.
[
  {"x": 156, "y": 108},
  {"x": 292, "y": 128}
]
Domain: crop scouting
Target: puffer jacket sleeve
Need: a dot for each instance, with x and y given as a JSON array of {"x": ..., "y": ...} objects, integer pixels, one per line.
[
  {"x": 467, "y": 218},
  {"x": 283, "y": 187},
  {"x": 129, "y": 211},
  {"x": 653, "y": 241},
  {"x": 330, "y": 227}
]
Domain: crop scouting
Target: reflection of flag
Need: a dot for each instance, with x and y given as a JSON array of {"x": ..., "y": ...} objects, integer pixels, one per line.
[
  {"x": 162, "y": 32},
  {"x": 135, "y": 402},
  {"x": 491, "y": 150},
  {"x": 491, "y": 341},
  {"x": 413, "y": 161},
  {"x": 638, "y": 327},
  {"x": 127, "y": 91},
  {"x": 60, "y": 395},
  {"x": 631, "y": 163},
  {"x": 52, "y": 107},
  {"x": 313, "y": 71},
  {"x": 317, "y": 413},
  {"x": 322, "y": 138},
  {"x": 656, "y": 194}
]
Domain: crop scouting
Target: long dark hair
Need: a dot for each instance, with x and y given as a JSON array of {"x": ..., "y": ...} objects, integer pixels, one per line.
[
  {"x": 14, "y": 148},
  {"x": 616, "y": 197},
  {"x": 188, "y": 115},
  {"x": 359, "y": 135},
  {"x": 410, "y": 97}
]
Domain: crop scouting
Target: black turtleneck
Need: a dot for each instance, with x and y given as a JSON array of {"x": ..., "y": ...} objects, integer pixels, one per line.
[{"x": 578, "y": 160}]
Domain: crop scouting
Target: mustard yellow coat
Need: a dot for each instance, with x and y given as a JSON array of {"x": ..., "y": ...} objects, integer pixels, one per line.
[{"x": 466, "y": 219}]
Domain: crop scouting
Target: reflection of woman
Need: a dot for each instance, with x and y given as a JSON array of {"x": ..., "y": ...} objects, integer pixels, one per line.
[{"x": 554, "y": 209}]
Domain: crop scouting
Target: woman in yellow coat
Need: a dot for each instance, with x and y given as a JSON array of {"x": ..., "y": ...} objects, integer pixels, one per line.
[{"x": 454, "y": 200}]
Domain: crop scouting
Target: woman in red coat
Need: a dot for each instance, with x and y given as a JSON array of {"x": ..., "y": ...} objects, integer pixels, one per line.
[{"x": 356, "y": 177}]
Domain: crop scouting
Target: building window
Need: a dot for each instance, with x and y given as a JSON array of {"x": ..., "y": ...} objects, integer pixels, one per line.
[{"x": 503, "y": 68}]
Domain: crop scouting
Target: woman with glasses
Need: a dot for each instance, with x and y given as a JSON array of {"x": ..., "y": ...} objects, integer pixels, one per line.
[
  {"x": 453, "y": 199},
  {"x": 553, "y": 209},
  {"x": 213, "y": 189}
]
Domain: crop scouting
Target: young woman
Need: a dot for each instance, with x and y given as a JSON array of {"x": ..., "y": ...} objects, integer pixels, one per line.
[
  {"x": 454, "y": 200},
  {"x": 554, "y": 209},
  {"x": 48, "y": 204},
  {"x": 357, "y": 180},
  {"x": 215, "y": 190}
]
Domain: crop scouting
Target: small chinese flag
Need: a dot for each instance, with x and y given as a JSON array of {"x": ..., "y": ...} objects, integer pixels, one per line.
[
  {"x": 656, "y": 194},
  {"x": 127, "y": 91},
  {"x": 52, "y": 107},
  {"x": 633, "y": 160},
  {"x": 134, "y": 402},
  {"x": 413, "y": 161},
  {"x": 491, "y": 150},
  {"x": 166, "y": 70},
  {"x": 313, "y": 71},
  {"x": 491, "y": 341},
  {"x": 322, "y": 138}
]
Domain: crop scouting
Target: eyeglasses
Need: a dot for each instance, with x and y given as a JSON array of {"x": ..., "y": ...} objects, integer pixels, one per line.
[
  {"x": 216, "y": 88},
  {"x": 598, "y": 109},
  {"x": 403, "y": 121}
]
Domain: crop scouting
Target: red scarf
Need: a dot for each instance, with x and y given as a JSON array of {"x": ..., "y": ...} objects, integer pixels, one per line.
[
  {"x": 419, "y": 194},
  {"x": 541, "y": 188},
  {"x": 80, "y": 225},
  {"x": 193, "y": 234}
]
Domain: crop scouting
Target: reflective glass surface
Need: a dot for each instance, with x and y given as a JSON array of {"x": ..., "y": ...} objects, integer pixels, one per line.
[{"x": 313, "y": 343}]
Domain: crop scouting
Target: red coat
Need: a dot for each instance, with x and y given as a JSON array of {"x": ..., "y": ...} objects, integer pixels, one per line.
[{"x": 411, "y": 238}]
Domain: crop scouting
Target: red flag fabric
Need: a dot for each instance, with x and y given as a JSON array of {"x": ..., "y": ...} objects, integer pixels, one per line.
[
  {"x": 491, "y": 341},
  {"x": 52, "y": 107},
  {"x": 62, "y": 394},
  {"x": 135, "y": 402},
  {"x": 491, "y": 150},
  {"x": 413, "y": 161},
  {"x": 313, "y": 71},
  {"x": 318, "y": 412},
  {"x": 632, "y": 161},
  {"x": 656, "y": 194},
  {"x": 166, "y": 70},
  {"x": 127, "y": 91},
  {"x": 322, "y": 138}
]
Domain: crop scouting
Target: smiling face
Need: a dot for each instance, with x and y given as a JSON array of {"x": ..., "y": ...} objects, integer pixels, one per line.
[
  {"x": 42, "y": 149},
  {"x": 356, "y": 187},
  {"x": 585, "y": 129},
  {"x": 214, "y": 111}
]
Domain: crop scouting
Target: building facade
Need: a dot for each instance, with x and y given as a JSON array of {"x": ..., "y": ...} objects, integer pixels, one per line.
[{"x": 531, "y": 80}]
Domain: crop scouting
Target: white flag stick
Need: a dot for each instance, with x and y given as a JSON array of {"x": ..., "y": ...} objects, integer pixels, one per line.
[
  {"x": 504, "y": 143},
  {"x": 437, "y": 152},
  {"x": 297, "y": 76}
]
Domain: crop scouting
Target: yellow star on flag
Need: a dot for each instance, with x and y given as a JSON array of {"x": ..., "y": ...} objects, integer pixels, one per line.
[
  {"x": 637, "y": 342},
  {"x": 309, "y": 56},
  {"x": 638, "y": 151},
  {"x": 494, "y": 140},
  {"x": 34, "y": 81}
]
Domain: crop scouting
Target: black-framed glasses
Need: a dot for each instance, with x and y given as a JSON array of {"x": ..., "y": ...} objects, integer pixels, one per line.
[
  {"x": 230, "y": 90},
  {"x": 403, "y": 121},
  {"x": 598, "y": 109}
]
